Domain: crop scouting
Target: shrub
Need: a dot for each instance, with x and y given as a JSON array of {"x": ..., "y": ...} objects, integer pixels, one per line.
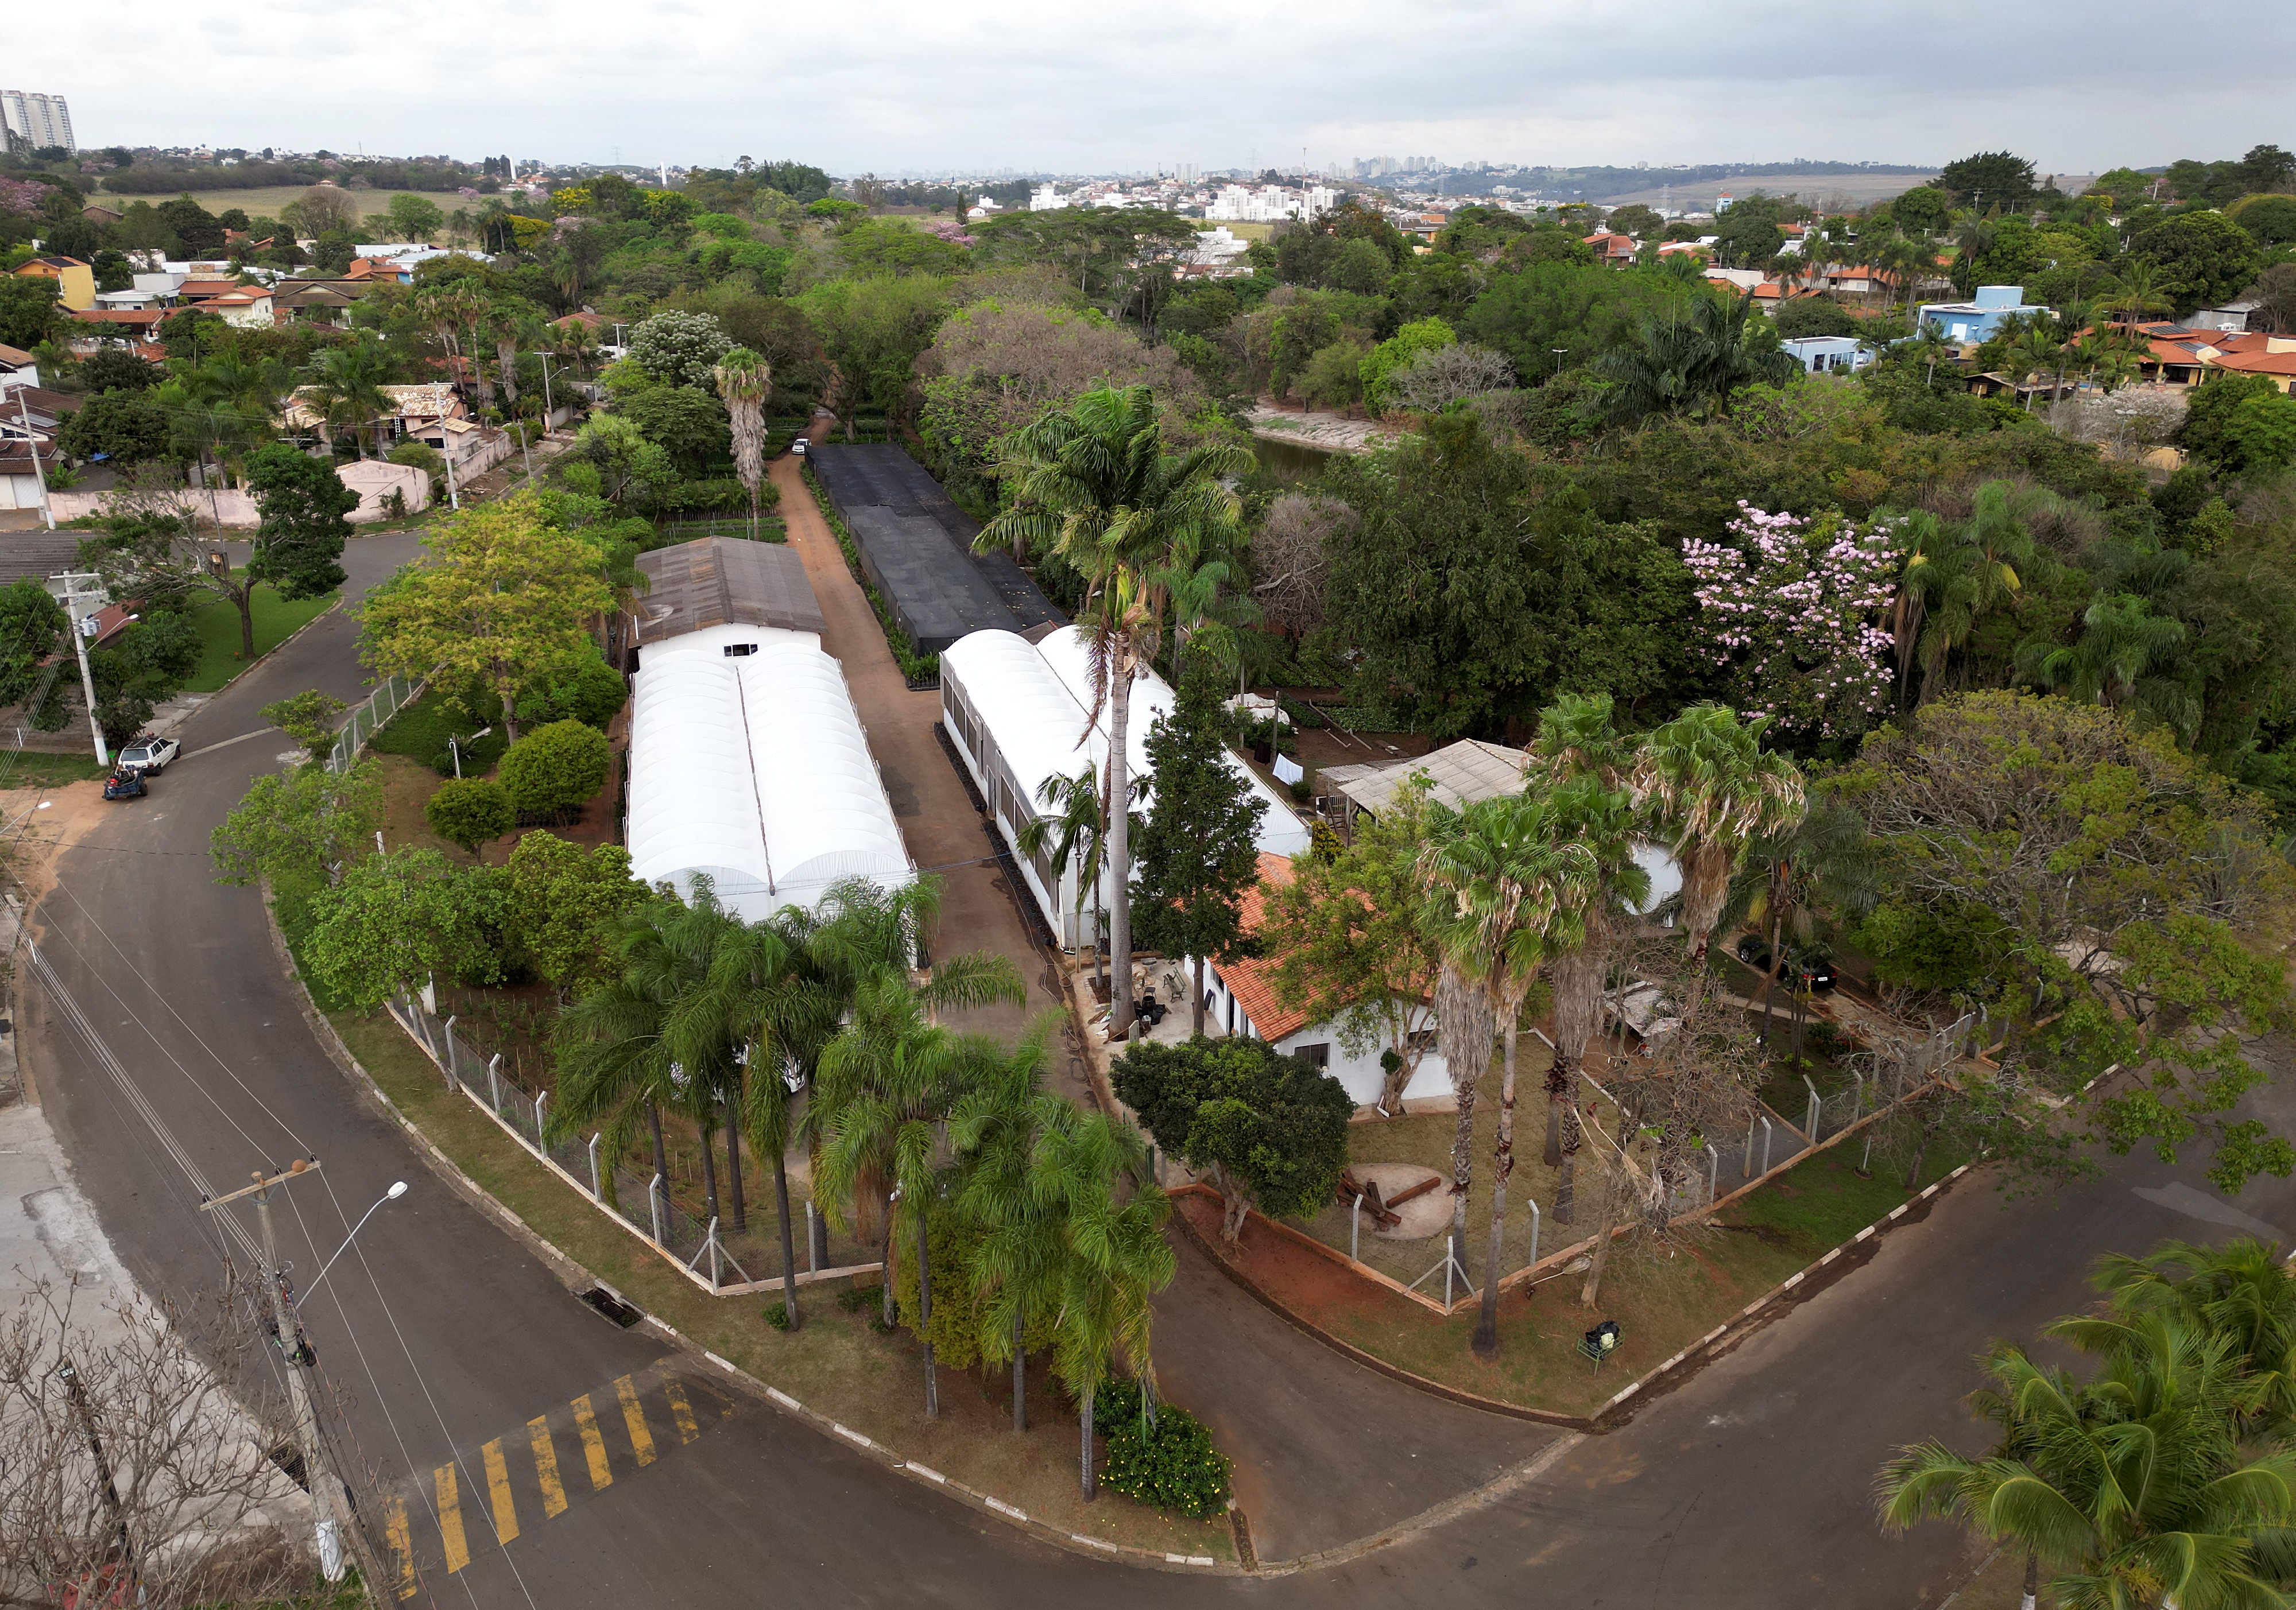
[
  {"x": 592, "y": 695},
  {"x": 470, "y": 811},
  {"x": 777, "y": 1315},
  {"x": 425, "y": 458},
  {"x": 308, "y": 718},
  {"x": 1171, "y": 1465},
  {"x": 556, "y": 769}
]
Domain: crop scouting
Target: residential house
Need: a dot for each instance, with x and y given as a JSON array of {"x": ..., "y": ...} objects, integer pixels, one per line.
[
  {"x": 75, "y": 280},
  {"x": 1617, "y": 250},
  {"x": 100, "y": 214},
  {"x": 19, "y": 482},
  {"x": 378, "y": 269},
  {"x": 1829, "y": 353},
  {"x": 2231, "y": 316},
  {"x": 18, "y": 367},
  {"x": 2255, "y": 351},
  {"x": 108, "y": 326},
  {"x": 317, "y": 301},
  {"x": 1240, "y": 1000},
  {"x": 1975, "y": 321}
]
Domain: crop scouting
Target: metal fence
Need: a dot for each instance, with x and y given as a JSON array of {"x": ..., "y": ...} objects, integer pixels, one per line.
[
  {"x": 394, "y": 695},
  {"x": 643, "y": 1203}
]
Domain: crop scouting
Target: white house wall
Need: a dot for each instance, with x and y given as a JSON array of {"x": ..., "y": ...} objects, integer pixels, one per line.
[{"x": 1358, "y": 1072}]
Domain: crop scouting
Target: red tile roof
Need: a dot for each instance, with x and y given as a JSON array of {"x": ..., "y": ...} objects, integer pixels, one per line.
[
  {"x": 1248, "y": 980},
  {"x": 2256, "y": 363}
]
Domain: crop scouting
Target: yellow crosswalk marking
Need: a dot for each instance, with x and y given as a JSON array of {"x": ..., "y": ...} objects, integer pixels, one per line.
[
  {"x": 450, "y": 1519},
  {"x": 402, "y": 1544},
  {"x": 546, "y": 1467},
  {"x": 593, "y": 1445},
  {"x": 681, "y": 1410},
  {"x": 633, "y": 1416},
  {"x": 498, "y": 1492}
]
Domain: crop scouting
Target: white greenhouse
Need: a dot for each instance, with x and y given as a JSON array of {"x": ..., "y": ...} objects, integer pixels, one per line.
[
  {"x": 748, "y": 761},
  {"x": 1017, "y": 713}
]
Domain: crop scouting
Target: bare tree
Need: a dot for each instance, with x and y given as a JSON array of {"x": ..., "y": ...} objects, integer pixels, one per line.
[
  {"x": 2126, "y": 423},
  {"x": 1696, "y": 1085},
  {"x": 1436, "y": 379},
  {"x": 1292, "y": 558},
  {"x": 135, "y": 1458}
]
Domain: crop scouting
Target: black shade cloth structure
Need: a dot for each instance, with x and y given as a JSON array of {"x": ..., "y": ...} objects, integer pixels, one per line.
[{"x": 916, "y": 549}]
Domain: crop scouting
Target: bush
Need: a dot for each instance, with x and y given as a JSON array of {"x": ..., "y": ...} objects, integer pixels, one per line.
[
  {"x": 470, "y": 811},
  {"x": 592, "y": 695},
  {"x": 556, "y": 769},
  {"x": 308, "y": 718},
  {"x": 1171, "y": 1466},
  {"x": 777, "y": 1315},
  {"x": 425, "y": 458}
]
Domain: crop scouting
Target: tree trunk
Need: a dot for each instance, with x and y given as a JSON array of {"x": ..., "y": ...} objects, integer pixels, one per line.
[
  {"x": 244, "y": 600},
  {"x": 789, "y": 1244},
  {"x": 1588, "y": 1292},
  {"x": 1770, "y": 979},
  {"x": 2032, "y": 1581},
  {"x": 1119, "y": 851},
  {"x": 1574, "y": 1136},
  {"x": 709, "y": 1166},
  {"x": 886, "y": 1267},
  {"x": 1558, "y": 1095},
  {"x": 1921, "y": 1150},
  {"x": 1099, "y": 927},
  {"x": 661, "y": 1155},
  {"x": 1019, "y": 1372},
  {"x": 924, "y": 1318},
  {"x": 733, "y": 1159},
  {"x": 1463, "y": 1162},
  {"x": 1487, "y": 1328},
  {"x": 1091, "y": 1484},
  {"x": 1197, "y": 1006},
  {"x": 1397, "y": 1080}
]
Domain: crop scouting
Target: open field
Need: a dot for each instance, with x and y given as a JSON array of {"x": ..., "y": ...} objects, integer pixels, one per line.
[
  {"x": 1861, "y": 188},
  {"x": 267, "y": 201}
]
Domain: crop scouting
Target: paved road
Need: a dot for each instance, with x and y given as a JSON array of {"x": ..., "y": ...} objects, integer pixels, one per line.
[{"x": 1746, "y": 1486}]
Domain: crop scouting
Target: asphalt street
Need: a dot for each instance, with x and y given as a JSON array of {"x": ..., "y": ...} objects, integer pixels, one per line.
[{"x": 442, "y": 1339}]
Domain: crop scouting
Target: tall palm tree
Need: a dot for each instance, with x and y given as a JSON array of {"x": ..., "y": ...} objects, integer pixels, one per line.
[
  {"x": 2137, "y": 297},
  {"x": 2125, "y": 657},
  {"x": 995, "y": 1128},
  {"x": 2242, "y": 1292},
  {"x": 1119, "y": 631},
  {"x": 1695, "y": 355},
  {"x": 745, "y": 382},
  {"x": 1703, "y": 780},
  {"x": 887, "y": 1082},
  {"x": 347, "y": 387},
  {"x": 1112, "y": 1256},
  {"x": 1957, "y": 572},
  {"x": 1507, "y": 886}
]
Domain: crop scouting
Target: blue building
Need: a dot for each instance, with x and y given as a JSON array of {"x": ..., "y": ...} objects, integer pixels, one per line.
[
  {"x": 1829, "y": 353},
  {"x": 1972, "y": 322}
]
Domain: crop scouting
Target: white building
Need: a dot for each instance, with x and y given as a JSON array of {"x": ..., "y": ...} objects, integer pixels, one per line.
[
  {"x": 1240, "y": 1000},
  {"x": 1047, "y": 198},
  {"x": 1269, "y": 204},
  {"x": 1017, "y": 713},
  {"x": 41, "y": 120},
  {"x": 749, "y": 765}
]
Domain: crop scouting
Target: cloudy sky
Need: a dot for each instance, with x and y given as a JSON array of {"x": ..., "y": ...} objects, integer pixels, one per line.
[{"x": 890, "y": 85}]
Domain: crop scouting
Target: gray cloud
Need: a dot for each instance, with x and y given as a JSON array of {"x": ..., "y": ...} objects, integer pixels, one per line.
[{"x": 896, "y": 84}]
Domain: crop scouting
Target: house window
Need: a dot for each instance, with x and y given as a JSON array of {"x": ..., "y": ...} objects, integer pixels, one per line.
[
  {"x": 1419, "y": 1041},
  {"x": 1315, "y": 1056},
  {"x": 740, "y": 650}
]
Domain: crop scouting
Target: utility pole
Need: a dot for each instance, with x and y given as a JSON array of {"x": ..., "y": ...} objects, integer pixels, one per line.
[
  {"x": 79, "y": 1393},
  {"x": 336, "y": 1523},
  {"x": 83, "y": 627},
  {"x": 446, "y": 451},
  {"x": 32, "y": 446}
]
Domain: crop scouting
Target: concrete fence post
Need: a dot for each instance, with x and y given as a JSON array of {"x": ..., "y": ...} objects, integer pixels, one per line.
[
  {"x": 714, "y": 1281},
  {"x": 1767, "y": 1134},
  {"x": 653, "y": 1201},
  {"x": 452, "y": 1080},
  {"x": 595, "y": 1193},
  {"x": 1713, "y": 1173},
  {"x": 541, "y": 1129},
  {"x": 1816, "y": 1109},
  {"x": 811, "y": 1262},
  {"x": 494, "y": 1080},
  {"x": 1355, "y": 1228},
  {"x": 1746, "y": 1158},
  {"x": 1533, "y": 1205}
]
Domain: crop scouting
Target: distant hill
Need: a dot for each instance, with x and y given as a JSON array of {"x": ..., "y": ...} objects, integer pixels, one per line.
[{"x": 1861, "y": 181}]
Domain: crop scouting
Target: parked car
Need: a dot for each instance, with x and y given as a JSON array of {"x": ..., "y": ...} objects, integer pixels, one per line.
[
  {"x": 151, "y": 754},
  {"x": 1806, "y": 966},
  {"x": 126, "y": 782},
  {"x": 800, "y": 446}
]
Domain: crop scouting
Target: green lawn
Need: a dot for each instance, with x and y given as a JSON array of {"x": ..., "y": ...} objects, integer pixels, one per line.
[
  {"x": 36, "y": 769},
  {"x": 276, "y": 621},
  {"x": 420, "y": 732}
]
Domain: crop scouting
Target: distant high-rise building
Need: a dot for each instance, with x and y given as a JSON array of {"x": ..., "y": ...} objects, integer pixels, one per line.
[{"x": 40, "y": 121}]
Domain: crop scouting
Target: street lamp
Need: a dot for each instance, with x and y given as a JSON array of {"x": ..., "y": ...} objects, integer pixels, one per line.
[
  {"x": 1559, "y": 354},
  {"x": 397, "y": 1190},
  {"x": 546, "y": 409}
]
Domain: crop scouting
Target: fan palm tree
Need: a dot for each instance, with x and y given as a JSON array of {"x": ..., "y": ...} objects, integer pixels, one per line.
[
  {"x": 887, "y": 1082},
  {"x": 1507, "y": 886},
  {"x": 745, "y": 382},
  {"x": 1703, "y": 780},
  {"x": 1694, "y": 357}
]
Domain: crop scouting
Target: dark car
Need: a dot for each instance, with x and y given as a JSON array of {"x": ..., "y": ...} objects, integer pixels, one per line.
[
  {"x": 1805, "y": 965},
  {"x": 125, "y": 783}
]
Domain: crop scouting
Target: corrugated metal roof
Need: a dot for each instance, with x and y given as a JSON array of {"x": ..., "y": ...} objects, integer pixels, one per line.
[
  {"x": 720, "y": 581},
  {"x": 1458, "y": 774}
]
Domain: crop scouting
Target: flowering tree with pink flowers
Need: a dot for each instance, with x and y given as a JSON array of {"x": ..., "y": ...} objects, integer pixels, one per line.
[{"x": 1793, "y": 606}]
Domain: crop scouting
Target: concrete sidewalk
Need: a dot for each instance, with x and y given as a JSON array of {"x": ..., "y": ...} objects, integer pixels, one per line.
[{"x": 946, "y": 835}]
